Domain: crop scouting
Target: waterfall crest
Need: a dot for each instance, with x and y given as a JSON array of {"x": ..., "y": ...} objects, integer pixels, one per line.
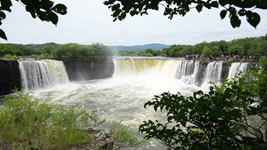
[
  {"x": 193, "y": 78},
  {"x": 213, "y": 73},
  {"x": 36, "y": 74},
  {"x": 235, "y": 68},
  {"x": 186, "y": 71},
  {"x": 133, "y": 67},
  {"x": 191, "y": 72}
]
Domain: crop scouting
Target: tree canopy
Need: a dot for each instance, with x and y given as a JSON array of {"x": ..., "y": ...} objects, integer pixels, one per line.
[
  {"x": 249, "y": 46},
  {"x": 234, "y": 8},
  {"x": 54, "y": 51},
  {"x": 45, "y": 10}
]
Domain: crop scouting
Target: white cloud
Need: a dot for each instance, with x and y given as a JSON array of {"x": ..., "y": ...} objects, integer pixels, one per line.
[{"x": 89, "y": 22}]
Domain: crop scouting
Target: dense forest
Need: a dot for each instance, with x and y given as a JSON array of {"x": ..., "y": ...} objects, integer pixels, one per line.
[
  {"x": 54, "y": 51},
  {"x": 250, "y": 46}
]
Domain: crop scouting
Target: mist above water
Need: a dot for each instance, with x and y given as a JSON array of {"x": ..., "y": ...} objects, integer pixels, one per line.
[
  {"x": 122, "y": 96},
  {"x": 134, "y": 82}
]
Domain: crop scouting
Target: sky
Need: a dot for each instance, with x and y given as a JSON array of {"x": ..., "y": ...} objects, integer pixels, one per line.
[{"x": 90, "y": 21}]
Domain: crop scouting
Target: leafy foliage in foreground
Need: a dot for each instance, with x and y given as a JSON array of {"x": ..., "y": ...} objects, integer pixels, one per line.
[
  {"x": 45, "y": 10},
  {"x": 235, "y": 8},
  {"x": 224, "y": 118},
  {"x": 26, "y": 123}
]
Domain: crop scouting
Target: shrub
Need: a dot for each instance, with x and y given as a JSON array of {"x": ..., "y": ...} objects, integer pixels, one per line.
[
  {"x": 123, "y": 137},
  {"x": 224, "y": 118},
  {"x": 25, "y": 123}
]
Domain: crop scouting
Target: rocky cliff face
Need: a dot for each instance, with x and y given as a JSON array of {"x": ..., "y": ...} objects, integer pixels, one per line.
[
  {"x": 9, "y": 76},
  {"x": 87, "y": 69},
  {"x": 78, "y": 69}
]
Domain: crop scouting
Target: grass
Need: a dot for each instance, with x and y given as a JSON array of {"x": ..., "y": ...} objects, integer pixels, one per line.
[{"x": 26, "y": 123}]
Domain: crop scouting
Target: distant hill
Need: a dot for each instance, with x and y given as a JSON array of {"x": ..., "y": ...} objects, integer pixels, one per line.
[{"x": 154, "y": 46}]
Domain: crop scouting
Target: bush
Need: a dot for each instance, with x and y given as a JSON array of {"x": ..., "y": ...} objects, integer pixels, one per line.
[
  {"x": 224, "y": 118},
  {"x": 25, "y": 123},
  {"x": 123, "y": 137}
]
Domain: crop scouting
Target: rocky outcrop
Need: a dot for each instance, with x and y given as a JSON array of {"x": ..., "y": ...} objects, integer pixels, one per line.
[
  {"x": 99, "y": 140},
  {"x": 77, "y": 69},
  {"x": 9, "y": 76},
  {"x": 87, "y": 69}
]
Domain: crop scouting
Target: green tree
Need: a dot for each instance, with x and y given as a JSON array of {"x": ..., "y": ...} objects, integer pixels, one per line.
[
  {"x": 100, "y": 49},
  {"x": 223, "y": 45},
  {"x": 45, "y": 10},
  {"x": 235, "y": 9},
  {"x": 263, "y": 62},
  {"x": 220, "y": 119},
  {"x": 235, "y": 49},
  {"x": 207, "y": 51},
  {"x": 188, "y": 50}
]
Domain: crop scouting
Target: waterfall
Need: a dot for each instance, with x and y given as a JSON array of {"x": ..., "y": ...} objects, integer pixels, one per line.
[
  {"x": 235, "y": 68},
  {"x": 185, "y": 68},
  {"x": 193, "y": 78},
  {"x": 134, "y": 67},
  {"x": 37, "y": 74},
  {"x": 191, "y": 72},
  {"x": 212, "y": 73}
]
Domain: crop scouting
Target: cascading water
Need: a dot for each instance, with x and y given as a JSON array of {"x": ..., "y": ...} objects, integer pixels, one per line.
[
  {"x": 213, "y": 74},
  {"x": 134, "y": 82},
  {"x": 185, "y": 68},
  {"x": 133, "y": 67},
  {"x": 191, "y": 77},
  {"x": 36, "y": 74},
  {"x": 235, "y": 68},
  {"x": 122, "y": 97}
]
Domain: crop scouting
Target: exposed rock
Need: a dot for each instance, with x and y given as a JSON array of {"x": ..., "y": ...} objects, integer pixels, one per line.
[
  {"x": 101, "y": 140},
  {"x": 87, "y": 69},
  {"x": 9, "y": 76},
  {"x": 77, "y": 69}
]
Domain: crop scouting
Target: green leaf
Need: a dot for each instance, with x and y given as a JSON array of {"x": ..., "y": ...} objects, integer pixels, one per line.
[
  {"x": 133, "y": 12},
  {"x": 42, "y": 16},
  {"x": 53, "y": 18},
  {"x": 108, "y": 2},
  {"x": 207, "y": 5},
  {"x": 223, "y": 14},
  {"x": 223, "y": 2},
  {"x": 242, "y": 12},
  {"x": 262, "y": 5},
  {"x": 115, "y": 7},
  {"x": 253, "y": 19},
  {"x": 2, "y": 15},
  {"x": 199, "y": 7},
  {"x": 235, "y": 21},
  {"x": 167, "y": 11},
  {"x": 2, "y": 34},
  {"x": 5, "y": 5},
  {"x": 116, "y": 13},
  {"x": 60, "y": 8},
  {"x": 214, "y": 4}
]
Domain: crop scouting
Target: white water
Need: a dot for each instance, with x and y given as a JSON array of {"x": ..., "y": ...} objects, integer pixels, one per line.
[
  {"x": 213, "y": 74},
  {"x": 235, "y": 68},
  {"x": 135, "y": 81},
  {"x": 36, "y": 74},
  {"x": 192, "y": 78},
  {"x": 122, "y": 97}
]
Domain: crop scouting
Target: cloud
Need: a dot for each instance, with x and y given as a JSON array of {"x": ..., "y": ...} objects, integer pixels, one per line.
[{"x": 89, "y": 22}]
